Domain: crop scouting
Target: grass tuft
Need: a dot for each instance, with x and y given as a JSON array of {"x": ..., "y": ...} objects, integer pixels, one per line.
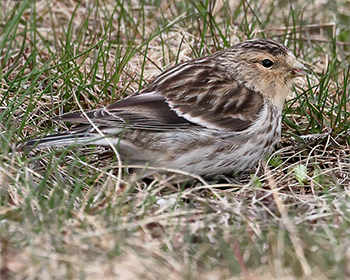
[{"x": 68, "y": 214}]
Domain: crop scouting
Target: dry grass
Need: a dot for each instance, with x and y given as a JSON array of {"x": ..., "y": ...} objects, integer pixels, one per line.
[{"x": 70, "y": 214}]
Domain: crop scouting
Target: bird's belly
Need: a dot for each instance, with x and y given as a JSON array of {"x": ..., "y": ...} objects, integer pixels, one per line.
[
  {"x": 223, "y": 155},
  {"x": 204, "y": 151}
]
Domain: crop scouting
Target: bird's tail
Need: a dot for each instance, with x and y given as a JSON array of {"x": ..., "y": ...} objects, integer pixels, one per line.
[{"x": 61, "y": 140}]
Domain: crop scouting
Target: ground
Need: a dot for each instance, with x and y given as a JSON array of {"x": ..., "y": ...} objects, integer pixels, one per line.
[{"x": 74, "y": 213}]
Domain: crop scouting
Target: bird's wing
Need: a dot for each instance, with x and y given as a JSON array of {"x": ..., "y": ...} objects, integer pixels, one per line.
[
  {"x": 205, "y": 94},
  {"x": 205, "y": 97},
  {"x": 144, "y": 111}
]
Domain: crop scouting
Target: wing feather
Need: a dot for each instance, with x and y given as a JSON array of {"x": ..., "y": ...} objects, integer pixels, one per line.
[
  {"x": 198, "y": 93},
  {"x": 204, "y": 96},
  {"x": 146, "y": 111}
]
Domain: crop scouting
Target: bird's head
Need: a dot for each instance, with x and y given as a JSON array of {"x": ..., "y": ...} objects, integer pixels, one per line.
[{"x": 266, "y": 66}]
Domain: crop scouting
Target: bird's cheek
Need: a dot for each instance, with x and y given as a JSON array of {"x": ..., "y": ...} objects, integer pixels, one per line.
[{"x": 275, "y": 78}]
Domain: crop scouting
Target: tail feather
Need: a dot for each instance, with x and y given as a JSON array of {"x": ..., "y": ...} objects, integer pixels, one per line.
[
  {"x": 69, "y": 139},
  {"x": 62, "y": 139}
]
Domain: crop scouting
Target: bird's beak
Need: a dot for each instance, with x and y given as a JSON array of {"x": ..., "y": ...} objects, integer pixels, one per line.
[{"x": 299, "y": 69}]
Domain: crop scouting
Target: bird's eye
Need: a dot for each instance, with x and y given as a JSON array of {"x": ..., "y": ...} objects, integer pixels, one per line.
[{"x": 267, "y": 63}]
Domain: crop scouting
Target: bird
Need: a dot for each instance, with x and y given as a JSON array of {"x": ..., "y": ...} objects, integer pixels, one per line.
[{"x": 216, "y": 114}]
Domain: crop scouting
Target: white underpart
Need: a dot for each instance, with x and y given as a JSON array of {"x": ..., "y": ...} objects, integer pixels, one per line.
[{"x": 236, "y": 157}]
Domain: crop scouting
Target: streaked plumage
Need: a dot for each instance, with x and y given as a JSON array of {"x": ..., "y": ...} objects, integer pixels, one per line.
[{"x": 212, "y": 115}]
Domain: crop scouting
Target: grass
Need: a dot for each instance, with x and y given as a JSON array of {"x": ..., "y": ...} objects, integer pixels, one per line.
[{"x": 70, "y": 214}]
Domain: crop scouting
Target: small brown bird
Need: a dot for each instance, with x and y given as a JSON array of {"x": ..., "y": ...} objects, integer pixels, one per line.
[{"x": 212, "y": 115}]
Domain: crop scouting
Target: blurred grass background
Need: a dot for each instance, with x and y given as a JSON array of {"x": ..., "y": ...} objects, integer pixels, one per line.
[{"x": 68, "y": 214}]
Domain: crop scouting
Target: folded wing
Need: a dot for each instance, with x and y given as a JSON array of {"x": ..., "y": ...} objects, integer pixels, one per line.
[
  {"x": 195, "y": 96},
  {"x": 205, "y": 94}
]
